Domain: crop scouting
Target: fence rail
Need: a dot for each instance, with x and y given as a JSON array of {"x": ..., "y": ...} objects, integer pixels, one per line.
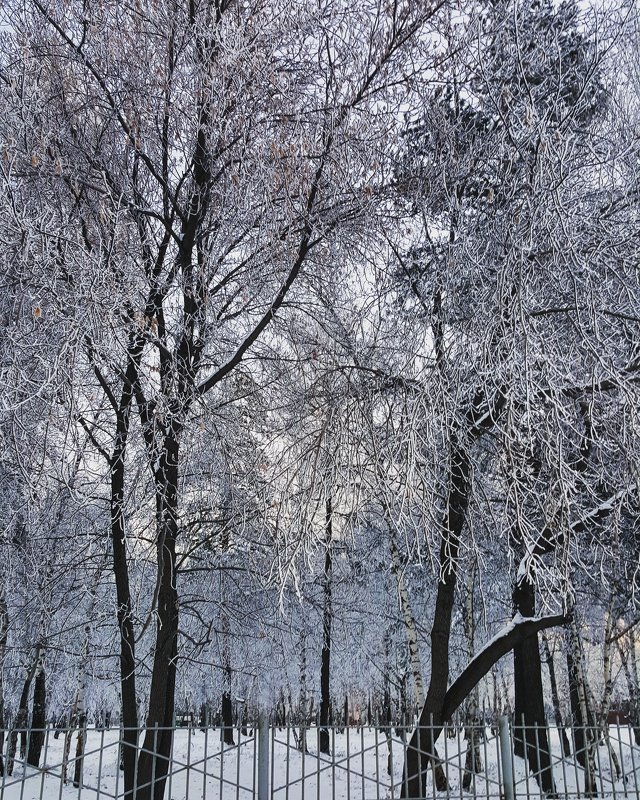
[{"x": 363, "y": 763}]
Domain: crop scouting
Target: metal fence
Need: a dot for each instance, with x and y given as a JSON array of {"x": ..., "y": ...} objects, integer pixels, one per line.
[{"x": 363, "y": 763}]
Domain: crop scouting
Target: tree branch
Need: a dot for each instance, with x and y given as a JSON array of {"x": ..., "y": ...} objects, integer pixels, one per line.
[{"x": 519, "y": 629}]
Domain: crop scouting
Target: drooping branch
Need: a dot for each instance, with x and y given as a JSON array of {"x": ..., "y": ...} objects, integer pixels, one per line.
[
  {"x": 519, "y": 629},
  {"x": 548, "y": 538}
]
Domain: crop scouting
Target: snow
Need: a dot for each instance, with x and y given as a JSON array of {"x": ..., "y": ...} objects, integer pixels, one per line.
[
  {"x": 357, "y": 768},
  {"x": 517, "y": 619}
]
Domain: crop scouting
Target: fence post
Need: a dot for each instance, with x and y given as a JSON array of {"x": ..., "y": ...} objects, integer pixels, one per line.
[
  {"x": 263, "y": 756},
  {"x": 506, "y": 758}
]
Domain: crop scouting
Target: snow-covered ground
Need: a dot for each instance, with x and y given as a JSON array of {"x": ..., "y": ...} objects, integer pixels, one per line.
[{"x": 357, "y": 769}]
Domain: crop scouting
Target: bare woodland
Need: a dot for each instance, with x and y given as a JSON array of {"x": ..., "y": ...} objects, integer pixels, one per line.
[{"x": 319, "y": 363}]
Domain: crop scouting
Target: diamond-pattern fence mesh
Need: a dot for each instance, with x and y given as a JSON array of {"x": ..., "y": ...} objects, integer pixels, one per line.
[{"x": 364, "y": 762}]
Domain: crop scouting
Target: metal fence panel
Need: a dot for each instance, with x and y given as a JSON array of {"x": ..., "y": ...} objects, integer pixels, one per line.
[{"x": 366, "y": 762}]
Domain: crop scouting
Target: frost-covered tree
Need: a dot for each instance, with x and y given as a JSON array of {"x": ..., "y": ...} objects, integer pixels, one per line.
[
  {"x": 192, "y": 163},
  {"x": 517, "y": 274}
]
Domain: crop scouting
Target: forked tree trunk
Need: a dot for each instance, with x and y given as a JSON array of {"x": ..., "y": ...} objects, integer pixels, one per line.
[{"x": 421, "y": 752}]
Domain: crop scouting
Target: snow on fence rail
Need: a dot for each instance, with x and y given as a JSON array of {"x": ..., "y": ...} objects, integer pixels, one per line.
[{"x": 365, "y": 762}]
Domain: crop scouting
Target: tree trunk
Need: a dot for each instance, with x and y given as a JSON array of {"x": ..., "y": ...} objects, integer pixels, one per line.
[
  {"x": 387, "y": 713},
  {"x": 411, "y": 629},
  {"x": 66, "y": 747},
  {"x": 631, "y": 676},
  {"x": 474, "y": 728},
  {"x": 585, "y": 740},
  {"x": 530, "y": 724},
  {"x": 227, "y": 717},
  {"x": 482, "y": 663},
  {"x": 80, "y": 742},
  {"x": 227, "y": 674},
  {"x": 421, "y": 750},
  {"x": 81, "y": 712},
  {"x": 153, "y": 762},
  {"x": 325, "y": 683},
  {"x": 38, "y": 717},
  {"x": 225, "y": 628},
  {"x": 555, "y": 698},
  {"x": 129, "y": 707},
  {"x": 473, "y": 759},
  {"x": 4, "y": 631},
  {"x": 21, "y": 721},
  {"x": 302, "y": 702},
  {"x": 605, "y": 705}
]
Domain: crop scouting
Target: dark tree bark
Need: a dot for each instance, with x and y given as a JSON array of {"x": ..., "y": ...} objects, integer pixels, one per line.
[
  {"x": 22, "y": 718},
  {"x": 4, "y": 631},
  {"x": 227, "y": 718},
  {"x": 225, "y": 628},
  {"x": 129, "y": 701},
  {"x": 38, "y": 718},
  {"x": 122, "y": 407},
  {"x": 530, "y": 724},
  {"x": 227, "y": 674},
  {"x": 80, "y": 742},
  {"x": 482, "y": 663},
  {"x": 153, "y": 761},
  {"x": 129, "y": 707},
  {"x": 303, "y": 704},
  {"x": 325, "y": 667},
  {"x": 421, "y": 750}
]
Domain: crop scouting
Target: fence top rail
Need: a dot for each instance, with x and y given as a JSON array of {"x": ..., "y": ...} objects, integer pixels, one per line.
[
  {"x": 291, "y": 725},
  {"x": 396, "y": 732}
]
